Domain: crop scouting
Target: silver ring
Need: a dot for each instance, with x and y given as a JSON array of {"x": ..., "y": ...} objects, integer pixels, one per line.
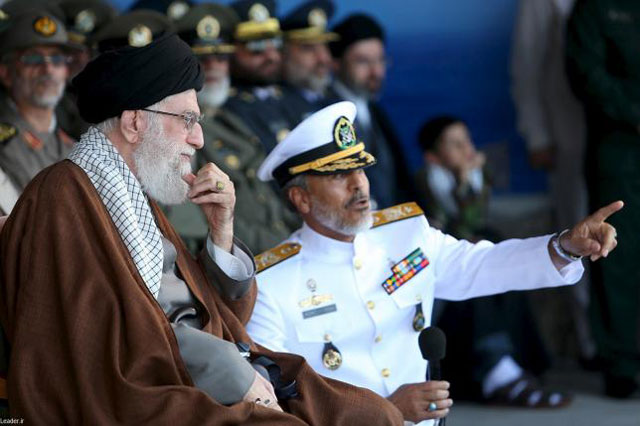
[{"x": 432, "y": 407}]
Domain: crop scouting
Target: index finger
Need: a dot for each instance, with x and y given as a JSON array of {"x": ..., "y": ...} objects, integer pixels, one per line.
[
  {"x": 213, "y": 167},
  {"x": 603, "y": 213}
]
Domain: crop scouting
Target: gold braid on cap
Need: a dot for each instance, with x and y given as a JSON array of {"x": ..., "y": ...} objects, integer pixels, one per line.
[{"x": 320, "y": 162}]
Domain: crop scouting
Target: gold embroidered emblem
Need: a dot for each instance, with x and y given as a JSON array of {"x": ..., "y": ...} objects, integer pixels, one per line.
[
  {"x": 317, "y": 18},
  {"x": 344, "y": 135},
  {"x": 85, "y": 21},
  {"x": 140, "y": 36},
  {"x": 177, "y": 10},
  {"x": 232, "y": 161},
  {"x": 276, "y": 255},
  {"x": 208, "y": 28},
  {"x": 258, "y": 12},
  {"x": 315, "y": 300},
  {"x": 396, "y": 213},
  {"x": 45, "y": 26},
  {"x": 332, "y": 359}
]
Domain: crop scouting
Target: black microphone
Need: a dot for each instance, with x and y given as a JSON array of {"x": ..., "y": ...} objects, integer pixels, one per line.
[{"x": 433, "y": 346}]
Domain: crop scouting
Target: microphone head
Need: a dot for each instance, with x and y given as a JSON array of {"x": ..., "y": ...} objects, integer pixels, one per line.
[{"x": 433, "y": 343}]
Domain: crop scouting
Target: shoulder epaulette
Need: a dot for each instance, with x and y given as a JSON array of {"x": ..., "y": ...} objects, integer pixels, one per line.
[
  {"x": 7, "y": 131},
  {"x": 396, "y": 213},
  {"x": 276, "y": 255}
]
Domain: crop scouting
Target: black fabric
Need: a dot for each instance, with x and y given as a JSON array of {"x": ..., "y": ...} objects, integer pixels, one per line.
[
  {"x": 299, "y": 18},
  {"x": 132, "y": 78},
  {"x": 242, "y": 8},
  {"x": 352, "y": 29}
]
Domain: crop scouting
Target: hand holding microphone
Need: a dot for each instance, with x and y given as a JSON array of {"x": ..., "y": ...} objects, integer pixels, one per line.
[{"x": 430, "y": 399}]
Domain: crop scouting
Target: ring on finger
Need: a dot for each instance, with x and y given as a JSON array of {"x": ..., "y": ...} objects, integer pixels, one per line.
[
  {"x": 432, "y": 407},
  {"x": 219, "y": 186}
]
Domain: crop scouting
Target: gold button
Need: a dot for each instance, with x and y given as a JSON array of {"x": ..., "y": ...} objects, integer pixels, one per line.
[
  {"x": 327, "y": 337},
  {"x": 371, "y": 304},
  {"x": 357, "y": 263},
  {"x": 378, "y": 339},
  {"x": 385, "y": 372}
]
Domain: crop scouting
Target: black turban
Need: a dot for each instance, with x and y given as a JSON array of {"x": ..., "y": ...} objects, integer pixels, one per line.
[
  {"x": 133, "y": 78},
  {"x": 354, "y": 28}
]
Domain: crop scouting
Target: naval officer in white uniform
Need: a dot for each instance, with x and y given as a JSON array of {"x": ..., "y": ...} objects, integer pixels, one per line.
[{"x": 350, "y": 290}]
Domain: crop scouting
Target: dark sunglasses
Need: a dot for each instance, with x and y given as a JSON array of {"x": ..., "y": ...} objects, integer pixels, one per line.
[{"x": 33, "y": 59}]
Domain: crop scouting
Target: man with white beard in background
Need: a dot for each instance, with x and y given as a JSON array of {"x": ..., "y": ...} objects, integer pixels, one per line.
[
  {"x": 33, "y": 72},
  {"x": 261, "y": 216}
]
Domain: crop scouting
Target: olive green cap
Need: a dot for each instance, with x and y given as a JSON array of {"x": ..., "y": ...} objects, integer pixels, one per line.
[
  {"x": 137, "y": 29},
  {"x": 208, "y": 28},
  {"x": 33, "y": 28}
]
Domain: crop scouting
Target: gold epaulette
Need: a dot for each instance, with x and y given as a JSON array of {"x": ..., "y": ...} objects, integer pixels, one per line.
[
  {"x": 276, "y": 255},
  {"x": 396, "y": 213},
  {"x": 7, "y": 131}
]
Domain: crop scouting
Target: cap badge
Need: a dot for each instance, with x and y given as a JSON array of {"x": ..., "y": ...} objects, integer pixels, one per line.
[
  {"x": 344, "y": 134},
  {"x": 45, "y": 26},
  {"x": 140, "y": 36},
  {"x": 177, "y": 10},
  {"x": 258, "y": 12},
  {"x": 85, "y": 21},
  {"x": 3, "y": 15},
  {"x": 208, "y": 28},
  {"x": 317, "y": 18}
]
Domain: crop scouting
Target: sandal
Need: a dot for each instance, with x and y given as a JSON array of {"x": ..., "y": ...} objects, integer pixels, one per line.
[{"x": 525, "y": 392}]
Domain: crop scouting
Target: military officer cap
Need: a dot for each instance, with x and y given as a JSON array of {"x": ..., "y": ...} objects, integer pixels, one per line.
[
  {"x": 208, "y": 28},
  {"x": 352, "y": 29},
  {"x": 34, "y": 28},
  {"x": 257, "y": 20},
  {"x": 173, "y": 9},
  {"x": 308, "y": 22},
  {"x": 86, "y": 17},
  {"x": 323, "y": 144},
  {"x": 17, "y": 7},
  {"x": 136, "y": 29}
]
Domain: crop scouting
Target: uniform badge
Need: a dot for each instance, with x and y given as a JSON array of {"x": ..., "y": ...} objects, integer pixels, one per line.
[
  {"x": 418, "y": 322},
  {"x": 258, "y": 12},
  {"x": 140, "y": 36},
  {"x": 232, "y": 161},
  {"x": 45, "y": 26},
  {"x": 331, "y": 356},
  {"x": 7, "y": 131},
  {"x": 404, "y": 270},
  {"x": 208, "y": 28},
  {"x": 344, "y": 134},
  {"x": 85, "y": 21},
  {"x": 315, "y": 301},
  {"x": 177, "y": 10},
  {"x": 317, "y": 18}
]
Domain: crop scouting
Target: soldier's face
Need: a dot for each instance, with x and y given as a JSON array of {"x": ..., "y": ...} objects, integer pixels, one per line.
[
  {"x": 215, "y": 90},
  {"x": 363, "y": 66},
  {"x": 340, "y": 202},
  {"x": 455, "y": 147},
  {"x": 307, "y": 65},
  {"x": 37, "y": 76},
  {"x": 261, "y": 66}
]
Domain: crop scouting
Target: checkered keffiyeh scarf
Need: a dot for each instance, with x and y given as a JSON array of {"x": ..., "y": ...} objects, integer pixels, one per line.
[{"x": 121, "y": 193}]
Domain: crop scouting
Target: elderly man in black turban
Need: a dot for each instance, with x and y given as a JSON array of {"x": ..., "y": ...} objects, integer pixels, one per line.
[{"x": 108, "y": 319}]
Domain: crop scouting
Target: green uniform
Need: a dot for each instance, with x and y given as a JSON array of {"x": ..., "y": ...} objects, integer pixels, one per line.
[
  {"x": 23, "y": 151},
  {"x": 261, "y": 218},
  {"x": 603, "y": 52}
]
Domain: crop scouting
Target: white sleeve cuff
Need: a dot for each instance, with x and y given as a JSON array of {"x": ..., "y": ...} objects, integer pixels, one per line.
[{"x": 237, "y": 265}]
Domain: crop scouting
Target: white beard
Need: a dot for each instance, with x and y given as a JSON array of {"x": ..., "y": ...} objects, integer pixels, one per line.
[
  {"x": 214, "y": 95},
  {"x": 159, "y": 167},
  {"x": 332, "y": 220}
]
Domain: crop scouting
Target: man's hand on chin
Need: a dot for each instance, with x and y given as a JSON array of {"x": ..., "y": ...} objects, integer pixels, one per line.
[{"x": 213, "y": 191}]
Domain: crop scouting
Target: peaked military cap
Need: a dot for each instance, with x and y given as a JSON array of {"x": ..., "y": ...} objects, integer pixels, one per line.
[
  {"x": 86, "y": 17},
  {"x": 172, "y": 9},
  {"x": 135, "y": 29},
  {"x": 325, "y": 143},
  {"x": 308, "y": 22},
  {"x": 352, "y": 29},
  {"x": 34, "y": 28},
  {"x": 257, "y": 20},
  {"x": 208, "y": 28},
  {"x": 17, "y": 7}
]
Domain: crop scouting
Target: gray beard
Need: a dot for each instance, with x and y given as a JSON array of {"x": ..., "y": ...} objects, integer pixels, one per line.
[
  {"x": 214, "y": 95},
  {"x": 159, "y": 167},
  {"x": 332, "y": 220}
]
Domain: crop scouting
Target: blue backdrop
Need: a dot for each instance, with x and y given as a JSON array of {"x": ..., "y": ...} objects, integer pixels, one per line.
[{"x": 449, "y": 57}]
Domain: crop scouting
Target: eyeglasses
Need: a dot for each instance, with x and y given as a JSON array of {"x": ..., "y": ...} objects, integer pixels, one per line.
[
  {"x": 190, "y": 118},
  {"x": 34, "y": 59}
]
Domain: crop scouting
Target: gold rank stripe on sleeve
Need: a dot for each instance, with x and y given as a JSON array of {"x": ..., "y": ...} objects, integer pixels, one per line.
[
  {"x": 396, "y": 213},
  {"x": 276, "y": 255}
]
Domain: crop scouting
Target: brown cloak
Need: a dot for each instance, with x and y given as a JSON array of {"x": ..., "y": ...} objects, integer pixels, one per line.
[{"x": 90, "y": 345}]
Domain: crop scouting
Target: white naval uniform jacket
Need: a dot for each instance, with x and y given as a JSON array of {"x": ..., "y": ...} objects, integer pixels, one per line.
[{"x": 372, "y": 329}]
